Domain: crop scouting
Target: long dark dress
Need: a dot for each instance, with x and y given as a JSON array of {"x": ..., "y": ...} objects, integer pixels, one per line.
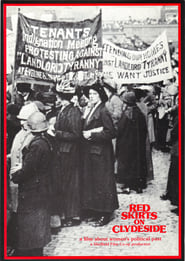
[
  {"x": 150, "y": 174},
  {"x": 68, "y": 134},
  {"x": 33, "y": 212},
  {"x": 55, "y": 167},
  {"x": 55, "y": 177},
  {"x": 131, "y": 148},
  {"x": 98, "y": 181}
]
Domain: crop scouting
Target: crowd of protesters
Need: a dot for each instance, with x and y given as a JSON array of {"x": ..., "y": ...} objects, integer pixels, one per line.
[{"x": 70, "y": 148}]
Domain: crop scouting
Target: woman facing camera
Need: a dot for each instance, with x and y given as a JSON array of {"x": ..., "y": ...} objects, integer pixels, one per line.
[
  {"x": 68, "y": 130},
  {"x": 99, "y": 198}
]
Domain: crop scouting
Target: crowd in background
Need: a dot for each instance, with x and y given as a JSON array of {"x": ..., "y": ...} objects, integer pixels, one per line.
[
  {"x": 135, "y": 43},
  {"x": 72, "y": 149},
  {"x": 119, "y": 25}
]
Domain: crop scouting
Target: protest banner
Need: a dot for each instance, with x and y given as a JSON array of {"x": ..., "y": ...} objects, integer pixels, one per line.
[
  {"x": 128, "y": 66},
  {"x": 55, "y": 51}
]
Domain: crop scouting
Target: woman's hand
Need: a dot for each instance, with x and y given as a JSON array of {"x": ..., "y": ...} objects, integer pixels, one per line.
[{"x": 87, "y": 135}]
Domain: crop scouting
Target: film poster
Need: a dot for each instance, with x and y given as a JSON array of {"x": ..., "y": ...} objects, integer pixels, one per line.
[{"x": 133, "y": 46}]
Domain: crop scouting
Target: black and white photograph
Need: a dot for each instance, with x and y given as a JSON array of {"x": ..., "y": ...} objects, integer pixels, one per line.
[{"x": 92, "y": 127}]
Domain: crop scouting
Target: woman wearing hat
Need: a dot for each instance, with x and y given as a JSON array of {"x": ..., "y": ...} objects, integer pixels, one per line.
[
  {"x": 172, "y": 189},
  {"x": 140, "y": 97},
  {"x": 33, "y": 179},
  {"x": 115, "y": 107},
  {"x": 99, "y": 197},
  {"x": 114, "y": 103},
  {"x": 68, "y": 130},
  {"x": 21, "y": 140},
  {"x": 131, "y": 146}
]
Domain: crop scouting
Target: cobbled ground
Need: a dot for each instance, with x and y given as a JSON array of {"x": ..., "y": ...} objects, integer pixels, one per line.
[{"x": 70, "y": 241}]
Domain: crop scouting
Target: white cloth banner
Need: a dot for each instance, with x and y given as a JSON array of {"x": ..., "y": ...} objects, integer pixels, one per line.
[{"x": 127, "y": 66}]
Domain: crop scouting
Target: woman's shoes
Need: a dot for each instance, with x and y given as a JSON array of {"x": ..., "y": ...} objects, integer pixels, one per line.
[
  {"x": 175, "y": 210},
  {"x": 139, "y": 191},
  {"x": 126, "y": 191},
  {"x": 164, "y": 197},
  {"x": 103, "y": 220},
  {"x": 71, "y": 222},
  {"x": 90, "y": 219}
]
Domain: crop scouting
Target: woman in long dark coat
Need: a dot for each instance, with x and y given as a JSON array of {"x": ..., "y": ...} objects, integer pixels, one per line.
[
  {"x": 68, "y": 129},
  {"x": 99, "y": 195},
  {"x": 33, "y": 213},
  {"x": 140, "y": 95},
  {"x": 131, "y": 146},
  {"x": 172, "y": 190}
]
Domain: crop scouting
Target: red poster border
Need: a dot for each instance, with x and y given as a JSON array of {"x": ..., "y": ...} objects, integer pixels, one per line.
[{"x": 5, "y": 5}]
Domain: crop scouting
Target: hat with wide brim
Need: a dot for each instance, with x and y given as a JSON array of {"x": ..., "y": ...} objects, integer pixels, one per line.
[
  {"x": 37, "y": 122},
  {"x": 129, "y": 98},
  {"x": 65, "y": 87},
  {"x": 122, "y": 90},
  {"x": 41, "y": 129},
  {"x": 109, "y": 84},
  {"x": 145, "y": 88},
  {"x": 27, "y": 110},
  {"x": 98, "y": 88}
]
